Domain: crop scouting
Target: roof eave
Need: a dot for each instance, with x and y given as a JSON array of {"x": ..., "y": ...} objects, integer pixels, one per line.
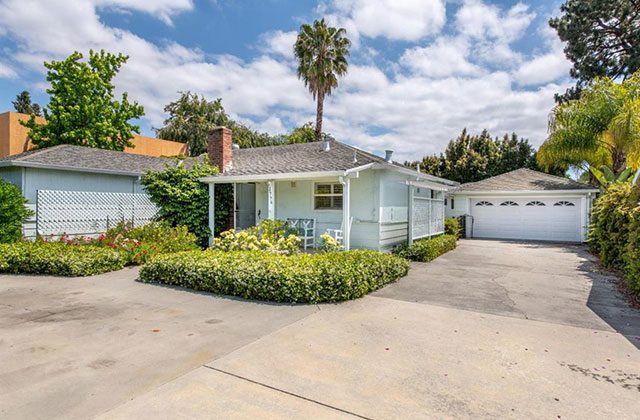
[
  {"x": 35, "y": 165},
  {"x": 408, "y": 171},
  {"x": 526, "y": 192},
  {"x": 229, "y": 179}
]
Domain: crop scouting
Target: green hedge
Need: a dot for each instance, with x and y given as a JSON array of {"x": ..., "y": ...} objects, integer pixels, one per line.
[
  {"x": 326, "y": 277},
  {"x": 614, "y": 233},
  {"x": 425, "y": 250},
  {"x": 58, "y": 259},
  {"x": 13, "y": 212}
]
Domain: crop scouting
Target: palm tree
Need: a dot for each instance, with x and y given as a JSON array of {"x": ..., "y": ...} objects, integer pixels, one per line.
[
  {"x": 322, "y": 57},
  {"x": 600, "y": 128}
]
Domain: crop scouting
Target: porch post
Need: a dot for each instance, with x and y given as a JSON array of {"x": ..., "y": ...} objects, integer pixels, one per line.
[
  {"x": 271, "y": 200},
  {"x": 346, "y": 212},
  {"x": 235, "y": 213},
  {"x": 410, "y": 218},
  {"x": 211, "y": 212}
]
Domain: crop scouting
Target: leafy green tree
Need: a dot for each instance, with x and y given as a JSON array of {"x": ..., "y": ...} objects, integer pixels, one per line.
[
  {"x": 13, "y": 212},
  {"x": 82, "y": 109},
  {"x": 24, "y": 105},
  {"x": 183, "y": 200},
  {"x": 602, "y": 39},
  {"x": 192, "y": 116},
  {"x": 600, "y": 128},
  {"x": 322, "y": 53},
  {"x": 470, "y": 158},
  {"x": 303, "y": 134}
]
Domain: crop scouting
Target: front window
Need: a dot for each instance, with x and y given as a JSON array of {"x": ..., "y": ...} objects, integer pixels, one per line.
[{"x": 327, "y": 196}]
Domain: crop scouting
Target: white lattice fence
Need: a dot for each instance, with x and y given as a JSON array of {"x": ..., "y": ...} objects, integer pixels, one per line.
[
  {"x": 88, "y": 213},
  {"x": 428, "y": 217}
]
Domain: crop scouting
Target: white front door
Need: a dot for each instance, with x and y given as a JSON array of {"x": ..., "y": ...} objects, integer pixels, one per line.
[{"x": 528, "y": 218}]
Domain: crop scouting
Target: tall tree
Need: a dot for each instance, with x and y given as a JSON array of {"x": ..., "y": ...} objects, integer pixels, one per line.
[
  {"x": 600, "y": 128},
  {"x": 602, "y": 39},
  {"x": 82, "y": 109},
  {"x": 24, "y": 105},
  {"x": 470, "y": 158},
  {"x": 192, "y": 116},
  {"x": 322, "y": 53}
]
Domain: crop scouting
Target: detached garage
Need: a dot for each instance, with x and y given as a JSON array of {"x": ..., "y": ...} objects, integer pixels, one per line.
[{"x": 524, "y": 205}]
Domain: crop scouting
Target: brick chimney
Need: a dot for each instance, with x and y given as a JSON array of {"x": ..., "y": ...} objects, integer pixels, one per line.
[{"x": 220, "y": 148}]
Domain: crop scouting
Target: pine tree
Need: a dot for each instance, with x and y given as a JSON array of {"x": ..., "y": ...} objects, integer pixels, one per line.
[{"x": 24, "y": 105}]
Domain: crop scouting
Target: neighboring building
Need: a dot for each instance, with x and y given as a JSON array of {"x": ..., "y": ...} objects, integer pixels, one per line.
[
  {"x": 14, "y": 139},
  {"x": 67, "y": 169},
  {"x": 372, "y": 202},
  {"x": 525, "y": 205}
]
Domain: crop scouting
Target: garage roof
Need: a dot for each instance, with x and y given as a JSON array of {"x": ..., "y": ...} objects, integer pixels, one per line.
[{"x": 525, "y": 180}]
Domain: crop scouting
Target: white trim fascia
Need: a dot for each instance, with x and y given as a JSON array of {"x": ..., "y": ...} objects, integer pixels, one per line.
[
  {"x": 429, "y": 185},
  {"x": 35, "y": 165},
  {"x": 359, "y": 168},
  {"x": 223, "y": 179},
  {"x": 524, "y": 192},
  {"x": 417, "y": 174}
]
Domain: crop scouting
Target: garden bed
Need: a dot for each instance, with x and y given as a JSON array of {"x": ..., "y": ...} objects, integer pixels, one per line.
[{"x": 312, "y": 278}]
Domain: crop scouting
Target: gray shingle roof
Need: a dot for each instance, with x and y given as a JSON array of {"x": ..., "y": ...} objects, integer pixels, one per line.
[
  {"x": 301, "y": 157},
  {"x": 524, "y": 180},
  {"x": 80, "y": 158}
]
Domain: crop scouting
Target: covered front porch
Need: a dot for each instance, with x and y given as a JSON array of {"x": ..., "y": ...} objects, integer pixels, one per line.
[{"x": 318, "y": 203}]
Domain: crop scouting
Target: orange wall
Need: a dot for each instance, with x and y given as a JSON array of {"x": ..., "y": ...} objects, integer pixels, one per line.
[{"x": 14, "y": 139}]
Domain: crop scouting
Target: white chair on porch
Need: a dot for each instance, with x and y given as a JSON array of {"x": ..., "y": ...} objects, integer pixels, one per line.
[
  {"x": 306, "y": 231},
  {"x": 338, "y": 234}
]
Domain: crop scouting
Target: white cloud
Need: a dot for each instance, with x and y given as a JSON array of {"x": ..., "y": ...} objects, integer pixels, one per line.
[
  {"x": 444, "y": 57},
  {"x": 407, "y": 20},
  {"x": 279, "y": 42},
  {"x": 545, "y": 67},
  {"x": 162, "y": 9},
  {"x": 7, "y": 72}
]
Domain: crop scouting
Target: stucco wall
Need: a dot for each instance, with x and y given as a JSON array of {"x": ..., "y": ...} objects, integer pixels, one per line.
[{"x": 14, "y": 139}]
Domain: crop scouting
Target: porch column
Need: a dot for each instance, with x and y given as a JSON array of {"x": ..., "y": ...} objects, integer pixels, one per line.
[
  {"x": 271, "y": 200},
  {"x": 211, "y": 212},
  {"x": 235, "y": 213},
  {"x": 346, "y": 212},
  {"x": 410, "y": 216}
]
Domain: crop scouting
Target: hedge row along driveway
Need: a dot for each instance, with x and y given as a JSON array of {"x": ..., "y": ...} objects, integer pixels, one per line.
[{"x": 312, "y": 278}]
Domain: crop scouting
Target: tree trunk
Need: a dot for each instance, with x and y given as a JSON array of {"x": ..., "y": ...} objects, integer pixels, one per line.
[
  {"x": 319, "y": 110},
  {"x": 619, "y": 158}
]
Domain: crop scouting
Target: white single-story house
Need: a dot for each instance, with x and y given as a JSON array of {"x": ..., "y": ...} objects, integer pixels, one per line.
[
  {"x": 366, "y": 200},
  {"x": 524, "y": 205}
]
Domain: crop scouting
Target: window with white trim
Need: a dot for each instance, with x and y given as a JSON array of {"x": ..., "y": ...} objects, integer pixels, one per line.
[
  {"x": 508, "y": 203},
  {"x": 535, "y": 203},
  {"x": 484, "y": 203},
  {"x": 564, "y": 203},
  {"x": 327, "y": 196}
]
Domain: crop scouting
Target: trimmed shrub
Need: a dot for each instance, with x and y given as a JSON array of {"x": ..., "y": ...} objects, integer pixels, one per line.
[
  {"x": 425, "y": 250},
  {"x": 312, "y": 278},
  {"x": 58, "y": 259},
  {"x": 12, "y": 212},
  {"x": 452, "y": 227}
]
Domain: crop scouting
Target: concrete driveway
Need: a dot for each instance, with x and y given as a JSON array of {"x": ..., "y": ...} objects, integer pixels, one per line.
[{"x": 493, "y": 329}]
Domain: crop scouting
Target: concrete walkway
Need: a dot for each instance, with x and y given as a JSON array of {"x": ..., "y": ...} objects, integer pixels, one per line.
[{"x": 493, "y": 329}]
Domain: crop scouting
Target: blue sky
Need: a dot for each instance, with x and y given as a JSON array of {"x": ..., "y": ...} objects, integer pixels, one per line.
[{"x": 421, "y": 70}]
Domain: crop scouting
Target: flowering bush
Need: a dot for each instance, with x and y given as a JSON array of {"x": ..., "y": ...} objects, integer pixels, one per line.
[
  {"x": 324, "y": 277},
  {"x": 139, "y": 244},
  {"x": 329, "y": 244},
  {"x": 270, "y": 235}
]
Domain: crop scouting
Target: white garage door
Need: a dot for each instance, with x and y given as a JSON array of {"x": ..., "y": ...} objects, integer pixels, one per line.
[{"x": 527, "y": 218}]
